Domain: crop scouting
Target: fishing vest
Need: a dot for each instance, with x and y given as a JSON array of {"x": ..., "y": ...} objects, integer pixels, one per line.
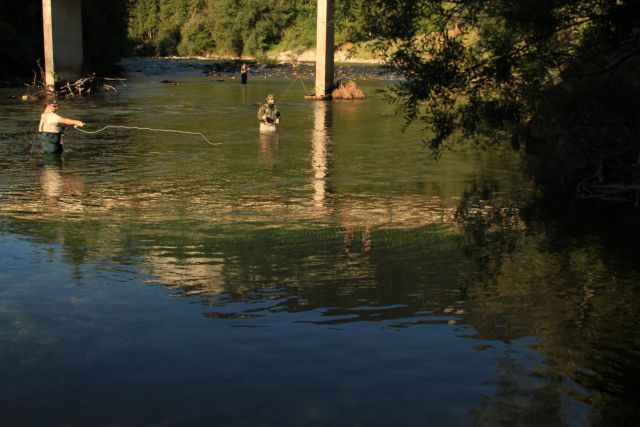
[{"x": 271, "y": 111}]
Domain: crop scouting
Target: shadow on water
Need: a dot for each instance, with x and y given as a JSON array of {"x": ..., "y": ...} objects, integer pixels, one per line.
[{"x": 326, "y": 274}]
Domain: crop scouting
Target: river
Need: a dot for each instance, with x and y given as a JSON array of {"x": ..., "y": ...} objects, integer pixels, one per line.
[{"x": 332, "y": 273}]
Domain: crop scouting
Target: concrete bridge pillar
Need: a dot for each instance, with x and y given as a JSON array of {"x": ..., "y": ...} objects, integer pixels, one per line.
[
  {"x": 324, "y": 49},
  {"x": 62, "y": 28}
]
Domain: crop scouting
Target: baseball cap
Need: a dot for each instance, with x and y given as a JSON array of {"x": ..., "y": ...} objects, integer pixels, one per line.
[
  {"x": 51, "y": 101},
  {"x": 270, "y": 96}
]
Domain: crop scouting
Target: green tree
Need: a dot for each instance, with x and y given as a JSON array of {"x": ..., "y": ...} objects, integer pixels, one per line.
[
  {"x": 226, "y": 34},
  {"x": 228, "y": 27},
  {"x": 493, "y": 65},
  {"x": 143, "y": 26},
  {"x": 20, "y": 38},
  {"x": 248, "y": 27},
  {"x": 196, "y": 36},
  {"x": 104, "y": 33}
]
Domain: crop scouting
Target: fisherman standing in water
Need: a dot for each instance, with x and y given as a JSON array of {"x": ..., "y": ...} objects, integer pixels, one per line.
[
  {"x": 50, "y": 129},
  {"x": 268, "y": 114},
  {"x": 244, "y": 72}
]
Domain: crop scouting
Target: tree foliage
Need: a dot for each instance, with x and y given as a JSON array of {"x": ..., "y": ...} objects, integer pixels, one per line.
[
  {"x": 208, "y": 27},
  {"x": 228, "y": 27},
  {"x": 491, "y": 59},
  {"x": 513, "y": 64},
  {"x": 20, "y": 35},
  {"x": 104, "y": 33}
]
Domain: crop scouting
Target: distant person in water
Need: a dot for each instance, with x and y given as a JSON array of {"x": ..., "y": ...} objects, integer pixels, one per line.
[
  {"x": 50, "y": 129},
  {"x": 244, "y": 73},
  {"x": 268, "y": 113}
]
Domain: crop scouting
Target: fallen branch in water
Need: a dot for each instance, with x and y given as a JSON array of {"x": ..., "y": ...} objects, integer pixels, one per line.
[{"x": 83, "y": 86}]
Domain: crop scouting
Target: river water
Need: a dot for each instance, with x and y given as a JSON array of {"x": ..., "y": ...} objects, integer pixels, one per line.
[{"x": 330, "y": 274}]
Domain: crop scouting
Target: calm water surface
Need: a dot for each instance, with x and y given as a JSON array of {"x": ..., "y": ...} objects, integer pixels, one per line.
[{"x": 332, "y": 274}]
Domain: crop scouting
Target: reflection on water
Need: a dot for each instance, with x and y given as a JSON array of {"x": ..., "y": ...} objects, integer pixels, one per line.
[
  {"x": 269, "y": 145},
  {"x": 319, "y": 154},
  {"x": 57, "y": 183},
  {"x": 328, "y": 274}
]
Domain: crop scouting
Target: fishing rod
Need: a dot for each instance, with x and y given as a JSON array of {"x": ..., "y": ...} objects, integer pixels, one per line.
[{"x": 148, "y": 129}]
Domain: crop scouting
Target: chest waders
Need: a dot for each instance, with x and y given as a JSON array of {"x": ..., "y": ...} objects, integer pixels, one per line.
[{"x": 50, "y": 142}]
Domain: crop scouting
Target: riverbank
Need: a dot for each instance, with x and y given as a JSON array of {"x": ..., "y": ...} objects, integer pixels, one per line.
[
  {"x": 230, "y": 68},
  {"x": 226, "y": 69},
  {"x": 284, "y": 65}
]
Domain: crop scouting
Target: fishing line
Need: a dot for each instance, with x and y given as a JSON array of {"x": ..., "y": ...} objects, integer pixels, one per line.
[
  {"x": 149, "y": 129},
  {"x": 291, "y": 84},
  {"x": 287, "y": 90},
  {"x": 305, "y": 88}
]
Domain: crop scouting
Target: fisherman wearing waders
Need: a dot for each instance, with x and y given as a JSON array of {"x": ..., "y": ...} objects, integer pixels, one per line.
[
  {"x": 269, "y": 115},
  {"x": 50, "y": 129},
  {"x": 244, "y": 73}
]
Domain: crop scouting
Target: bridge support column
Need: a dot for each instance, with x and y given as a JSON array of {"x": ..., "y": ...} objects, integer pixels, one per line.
[
  {"x": 62, "y": 28},
  {"x": 324, "y": 49}
]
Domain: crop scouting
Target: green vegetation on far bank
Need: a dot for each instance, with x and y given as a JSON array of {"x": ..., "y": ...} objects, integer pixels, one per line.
[{"x": 228, "y": 27}]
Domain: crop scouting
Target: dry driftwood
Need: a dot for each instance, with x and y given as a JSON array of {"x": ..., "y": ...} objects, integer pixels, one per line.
[{"x": 83, "y": 86}]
